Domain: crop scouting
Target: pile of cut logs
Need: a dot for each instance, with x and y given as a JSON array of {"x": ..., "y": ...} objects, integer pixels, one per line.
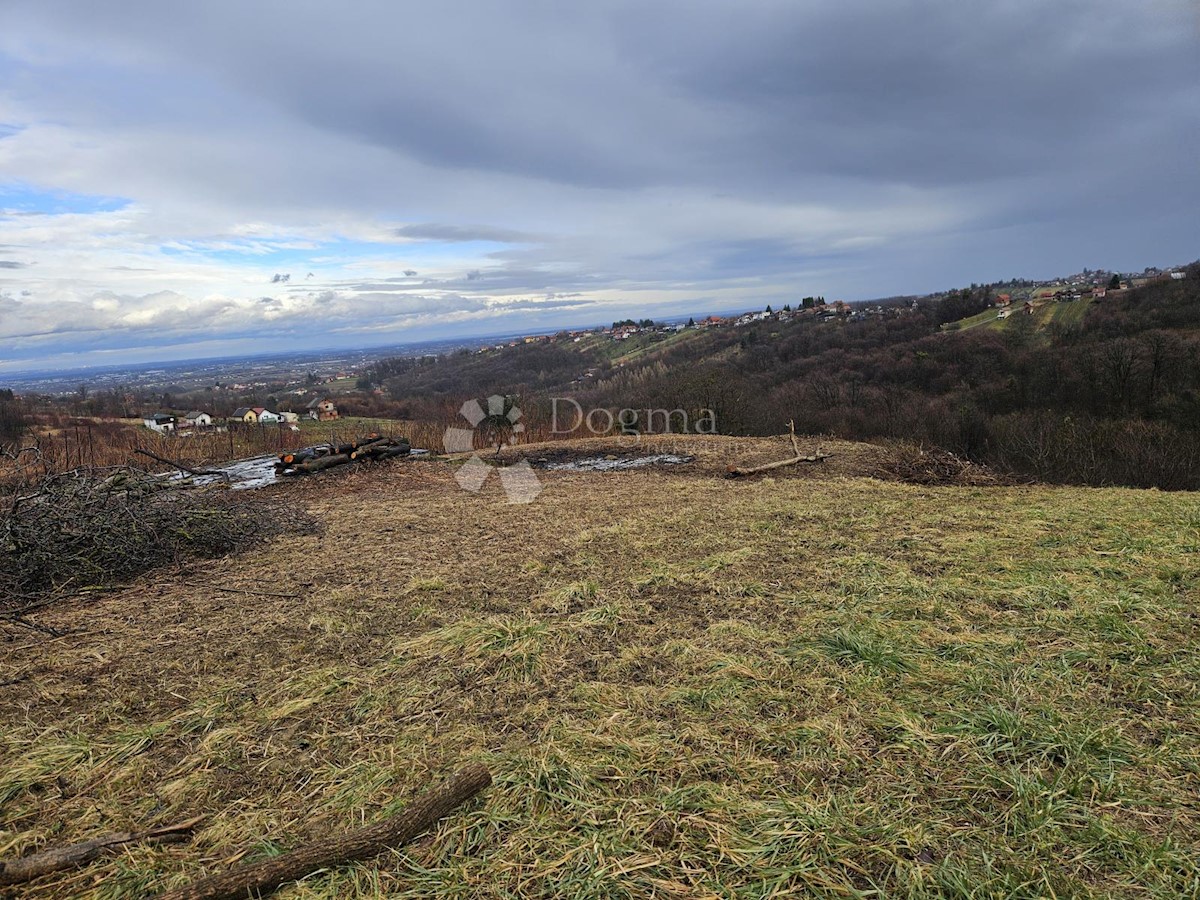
[{"x": 326, "y": 456}]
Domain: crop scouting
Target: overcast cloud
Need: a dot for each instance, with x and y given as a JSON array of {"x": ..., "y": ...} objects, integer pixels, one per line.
[{"x": 461, "y": 168}]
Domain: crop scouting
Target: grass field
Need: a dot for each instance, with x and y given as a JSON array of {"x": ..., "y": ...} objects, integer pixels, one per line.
[
  {"x": 821, "y": 685},
  {"x": 1044, "y": 315}
]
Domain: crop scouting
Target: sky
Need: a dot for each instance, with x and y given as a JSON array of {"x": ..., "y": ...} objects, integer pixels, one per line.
[{"x": 223, "y": 178}]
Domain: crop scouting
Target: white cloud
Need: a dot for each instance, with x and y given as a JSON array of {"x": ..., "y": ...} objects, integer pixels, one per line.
[{"x": 658, "y": 154}]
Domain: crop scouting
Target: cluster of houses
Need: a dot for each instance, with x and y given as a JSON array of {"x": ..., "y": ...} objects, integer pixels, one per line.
[
  {"x": 1081, "y": 288},
  {"x": 821, "y": 311},
  {"x": 321, "y": 409}
]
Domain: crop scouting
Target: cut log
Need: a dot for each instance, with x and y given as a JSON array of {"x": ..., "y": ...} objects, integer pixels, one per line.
[
  {"x": 754, "y": 470},
  {"x": 262, "y": 877},
  {"x": 381, "y": 449},
  {"x": 351, "y": 446},
  {"x": 392, "y": 452},
  {"x": 318, "y": 464},
  {"x": 298, "y": 456},
  {"x": 15, "y": 871},
  {"x": 325, "y": 456}
]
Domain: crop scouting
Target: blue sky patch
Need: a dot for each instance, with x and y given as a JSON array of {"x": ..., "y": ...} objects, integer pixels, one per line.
[{"x": 25, "y": 198}]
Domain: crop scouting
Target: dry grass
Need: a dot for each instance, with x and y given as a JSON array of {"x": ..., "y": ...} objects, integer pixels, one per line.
[{"x": 818, "y": 685}]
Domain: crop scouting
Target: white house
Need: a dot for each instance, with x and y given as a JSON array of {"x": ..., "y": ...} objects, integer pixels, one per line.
[
  {"x": 160, "y": 422},
  {"x": 197, "y": 419},
  {"x": 266, "y": 417}
]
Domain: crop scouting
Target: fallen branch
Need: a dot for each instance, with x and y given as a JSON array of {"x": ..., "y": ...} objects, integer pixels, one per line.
[
  {"x": 754, "y": 470},
  {"x": 15, "y": 871},
  {"x": 364, "y": 843},
  {"x": 18, "y": 619},
  {"x": 181, "y": 466}
]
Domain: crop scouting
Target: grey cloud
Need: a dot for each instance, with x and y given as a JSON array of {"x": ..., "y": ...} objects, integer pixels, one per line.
[
  {"x": 12, "y": 264},
  {"x": 844, "y": 147},
  {"x": 461, "y": 234},
  {"x": 762, "y": 95}
]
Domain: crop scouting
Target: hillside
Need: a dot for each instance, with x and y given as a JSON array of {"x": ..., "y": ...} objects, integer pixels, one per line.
[
  {"x": 1103, "y": 393},
  {"x": 820, "y": 683},
  {"x": 1045, "y": 315}
]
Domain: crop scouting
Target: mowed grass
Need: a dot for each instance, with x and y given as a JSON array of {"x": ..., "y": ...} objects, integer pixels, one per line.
[
  {"x": 685, "y": 686},
  {"x": 1047, "y": 314}
]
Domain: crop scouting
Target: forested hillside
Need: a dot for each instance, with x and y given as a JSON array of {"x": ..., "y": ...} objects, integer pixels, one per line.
[{"x": 1109, "y": 396}]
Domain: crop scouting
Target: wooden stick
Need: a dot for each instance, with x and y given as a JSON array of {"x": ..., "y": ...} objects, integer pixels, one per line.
[
  {"x": 363, "y": 843},
  {"x": 180, "y": 466},
  {"x": 742, "y": 473},
  {"x": 792, "y": 432},
  {"x": 15, "y": 871}
]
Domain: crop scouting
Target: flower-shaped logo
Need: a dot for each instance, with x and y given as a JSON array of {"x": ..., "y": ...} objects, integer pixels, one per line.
[{"x": 498, "y": 421}]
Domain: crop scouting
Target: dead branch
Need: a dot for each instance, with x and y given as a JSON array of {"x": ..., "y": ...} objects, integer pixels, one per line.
[
  {"x": 15, "y": 871},
  {"x": 754, "y": 470},
  {"x": 18, "y": 619},
  {"x": 360, "y": 844},
  {"x": 181, "y": 466}
]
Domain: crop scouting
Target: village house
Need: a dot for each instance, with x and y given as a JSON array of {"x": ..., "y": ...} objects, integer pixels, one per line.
[
  {"x": 749, "y": 317},
  {"x": 244, "y": 414},
  {"x": 197, "y": 419},
  {"x": 163, "y": 423},
  {"x": 322, "y": 409},
  {"x": 266, "y": 417}
]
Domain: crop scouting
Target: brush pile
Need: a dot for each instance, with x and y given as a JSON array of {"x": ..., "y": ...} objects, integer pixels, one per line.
[
  {"x": 84, "y": 530},
  {"x": 325, "y": 456},
  {"x": 914, "y": 464}
]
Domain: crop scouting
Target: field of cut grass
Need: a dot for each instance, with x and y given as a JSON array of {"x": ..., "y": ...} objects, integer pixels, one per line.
[
  {"x": 1045, "y": 315},
  {"x": 824, "y": 686}
]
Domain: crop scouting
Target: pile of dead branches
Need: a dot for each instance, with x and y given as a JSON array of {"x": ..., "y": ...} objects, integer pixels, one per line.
[
  {"x": 915, "y": 464},
  {"x": 84, "y": 530}
]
